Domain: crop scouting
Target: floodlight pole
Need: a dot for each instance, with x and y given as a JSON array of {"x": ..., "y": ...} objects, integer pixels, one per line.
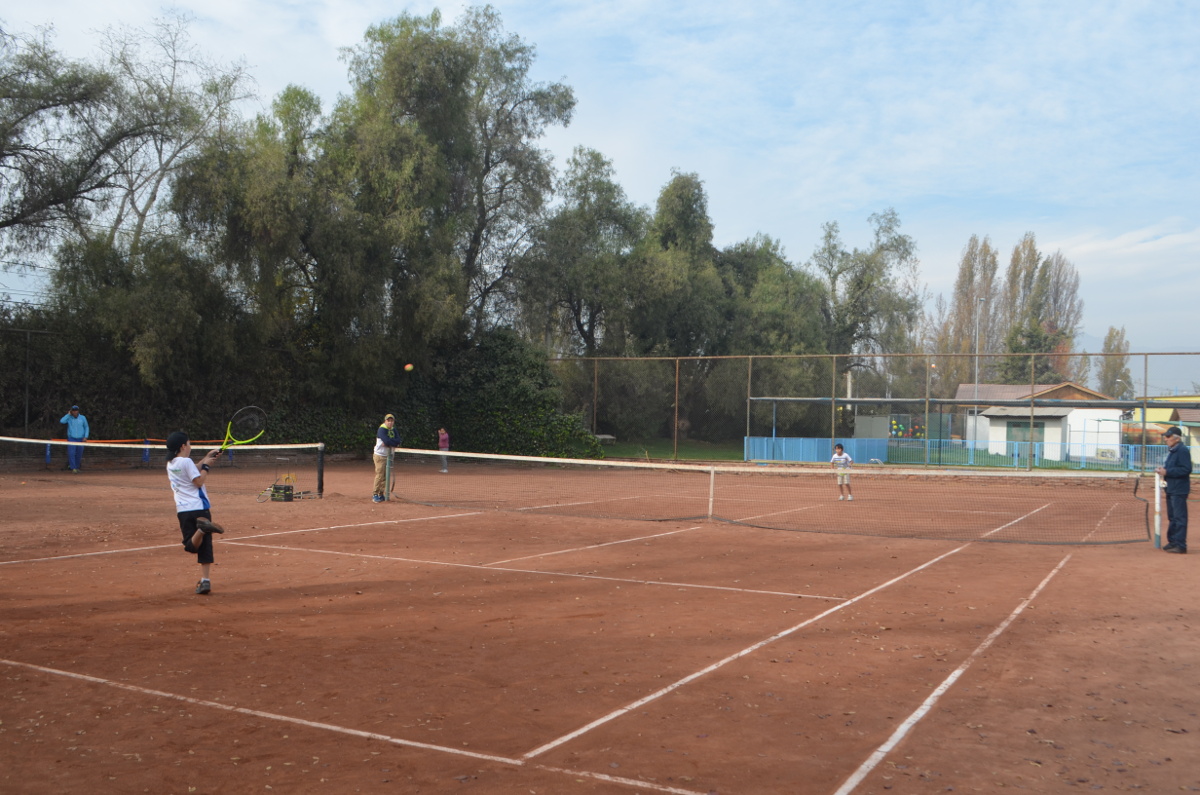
[
  {"x": 975, "y": 416},
  {"x": 930, "y": 365}
]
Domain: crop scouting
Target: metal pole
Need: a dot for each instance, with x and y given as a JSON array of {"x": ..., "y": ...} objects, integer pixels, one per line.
[
  {"x": 676, "y": 433},
  {"x": 929, "y": 365},
  {"x": 595, "y": 393},
  {"x": 1145, "y": 397},
  {"x": 28, "y": 342},
  {"x": 975, "y": 416},
  {"x": 833, "y": 401},
  {"x": 1032, "y": 389},
  {"x": 321, "y": 470},
  {"x": 749, "y": 380}
]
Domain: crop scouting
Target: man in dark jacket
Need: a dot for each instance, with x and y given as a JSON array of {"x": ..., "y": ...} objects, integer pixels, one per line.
[
  {"x": 1176, "y": 472},
  {"x": 387, "y": 439}
]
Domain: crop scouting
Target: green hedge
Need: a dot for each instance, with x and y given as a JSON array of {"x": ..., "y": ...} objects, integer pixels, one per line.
[{"x": 498, "y": 395}]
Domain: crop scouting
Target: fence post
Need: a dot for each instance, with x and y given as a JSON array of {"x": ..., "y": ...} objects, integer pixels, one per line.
[
  {"x": 675, "y": 431},
  {"x": 1032, "y": 413},
  {"x": 1145, "y": 398},
  {"x": 749, "y": 382},
  {"x": 595, "y": 393}
]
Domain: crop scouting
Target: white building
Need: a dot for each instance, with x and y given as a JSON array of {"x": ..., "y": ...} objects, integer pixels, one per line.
[{"x": 1064, "y": 433}]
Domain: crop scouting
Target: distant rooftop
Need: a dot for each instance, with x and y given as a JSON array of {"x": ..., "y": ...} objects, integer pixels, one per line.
[{"x": 1020, "y": 391}]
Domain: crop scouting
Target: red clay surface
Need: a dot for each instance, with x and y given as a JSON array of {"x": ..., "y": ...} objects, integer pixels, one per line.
[{"x": 355, "y": 647}]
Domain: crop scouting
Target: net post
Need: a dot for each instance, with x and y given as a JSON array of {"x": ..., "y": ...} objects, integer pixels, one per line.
[
  {"x": 712, "y": 490},
  {"x": 1158, "y": 492},
  {"x": 320, "y": 470},
  {"x": 387, "y": 475}
]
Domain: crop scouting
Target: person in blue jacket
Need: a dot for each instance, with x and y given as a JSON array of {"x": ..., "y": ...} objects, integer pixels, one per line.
[
  {"x": 1176, "y": 473},
  {"x": 77, "y": 431},
  {"x": 387, "y": 439}
]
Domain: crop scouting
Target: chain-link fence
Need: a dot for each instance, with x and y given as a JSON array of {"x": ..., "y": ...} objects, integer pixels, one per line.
[{"x": 1017, "y": 410}]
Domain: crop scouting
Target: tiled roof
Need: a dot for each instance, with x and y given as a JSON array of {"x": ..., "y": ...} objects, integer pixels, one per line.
[
  {"x": 1000, "y": 391},
  {"x": 988, "y": 392},
  {"x": 1020, "y": 411}
]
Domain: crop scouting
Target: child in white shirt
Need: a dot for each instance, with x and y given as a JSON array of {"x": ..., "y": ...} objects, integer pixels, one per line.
[{"x": 841, "y": 462}]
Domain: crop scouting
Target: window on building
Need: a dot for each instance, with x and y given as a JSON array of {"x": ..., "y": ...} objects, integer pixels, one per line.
[{"x": 1019, "y": 431}]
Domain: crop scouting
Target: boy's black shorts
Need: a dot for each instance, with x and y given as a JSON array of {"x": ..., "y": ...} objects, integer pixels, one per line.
[{"x": 187, "y": 525}]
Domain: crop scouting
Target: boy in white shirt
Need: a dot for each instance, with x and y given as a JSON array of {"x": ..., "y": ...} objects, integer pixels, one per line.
[
  {"x": 841, "y": 462},
  {"x": 191, "y": 502}
]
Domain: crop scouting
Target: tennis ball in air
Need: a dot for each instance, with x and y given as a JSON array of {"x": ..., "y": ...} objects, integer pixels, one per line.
[{"x": 408, "y": 368}]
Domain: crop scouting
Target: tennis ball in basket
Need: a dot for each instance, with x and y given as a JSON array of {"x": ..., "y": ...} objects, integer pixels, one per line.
[{"x": 408, "y": 368}]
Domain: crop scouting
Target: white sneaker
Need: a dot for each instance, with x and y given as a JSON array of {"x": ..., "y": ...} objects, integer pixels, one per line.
[
  {"x": 851, "y": 497},
  {"x": 841, "y": 497}
]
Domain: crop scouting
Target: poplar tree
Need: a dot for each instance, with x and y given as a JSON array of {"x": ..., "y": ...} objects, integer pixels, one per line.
[{"x": 1114, "y": 378}]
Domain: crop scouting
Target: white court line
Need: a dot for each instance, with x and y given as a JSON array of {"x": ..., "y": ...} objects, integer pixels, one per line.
[
  {"x": 232, "y": 541},
  {"x": 541, "y": 572},
  {"x": 348, "y": 731},
  {"x": 268, "y": 715},
  {"x": 617, "y": 713},
  {"x": 360, "y": 524},
  {"x": 89, "y": 554},
  {"x": 1018, "y": 519},
  {"x": 594, "y": 546},
  {"x": 559, "y": 741},
  {"x": 629, "y": 782},
  {"x": 1104, "y": 518},
  {"x": 587, "y": 502},
  {"x": 977, "y": 513},
  {"x": 902, "y": 730},
  {"x": 778, "y": 513}
]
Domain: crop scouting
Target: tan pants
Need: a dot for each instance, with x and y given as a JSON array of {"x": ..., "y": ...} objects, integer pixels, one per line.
[{"x": 381, "y": 476}]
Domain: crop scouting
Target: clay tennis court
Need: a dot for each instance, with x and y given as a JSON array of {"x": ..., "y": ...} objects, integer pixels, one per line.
[{"x": 404, "y": 647}]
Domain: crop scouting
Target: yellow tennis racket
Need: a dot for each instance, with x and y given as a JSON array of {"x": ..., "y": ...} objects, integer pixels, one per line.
[{"x": 244, "y": 427}]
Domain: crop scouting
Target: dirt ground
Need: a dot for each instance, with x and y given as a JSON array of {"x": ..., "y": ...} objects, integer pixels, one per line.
[{"x": 357, "y": 647}]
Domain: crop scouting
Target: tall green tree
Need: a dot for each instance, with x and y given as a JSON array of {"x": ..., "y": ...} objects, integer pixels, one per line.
[
  {"x": 62, "y": 124},
  {"x": 1032, "y": 338},
  {"x": 678, "y": 294},
  {"x": 167, "y": 310},
  {"x": 188, "y": 99},
  {"x": 1042, "y": 310},
  {"x": 341, "y": 231},
  {"x": 573, "y": 281},
  {"x": 771, "y": 307},
  {"x": 508, "y": 179},
  {"x": 1114, "y": 377},
  {"x": 968, "y": 322},
  {"x": 871, "y": 302}
]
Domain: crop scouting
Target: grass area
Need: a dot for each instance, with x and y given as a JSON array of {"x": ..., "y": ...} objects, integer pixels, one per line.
[{"x": 664, "y": 450}]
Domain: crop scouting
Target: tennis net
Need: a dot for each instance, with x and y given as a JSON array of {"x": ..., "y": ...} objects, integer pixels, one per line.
[
  {"x": 281, "y": 472},
  {"x": 968, "y": 505}
]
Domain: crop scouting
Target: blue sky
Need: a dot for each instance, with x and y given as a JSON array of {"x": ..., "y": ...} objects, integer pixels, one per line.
[{"x": 983, "y": 118}]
